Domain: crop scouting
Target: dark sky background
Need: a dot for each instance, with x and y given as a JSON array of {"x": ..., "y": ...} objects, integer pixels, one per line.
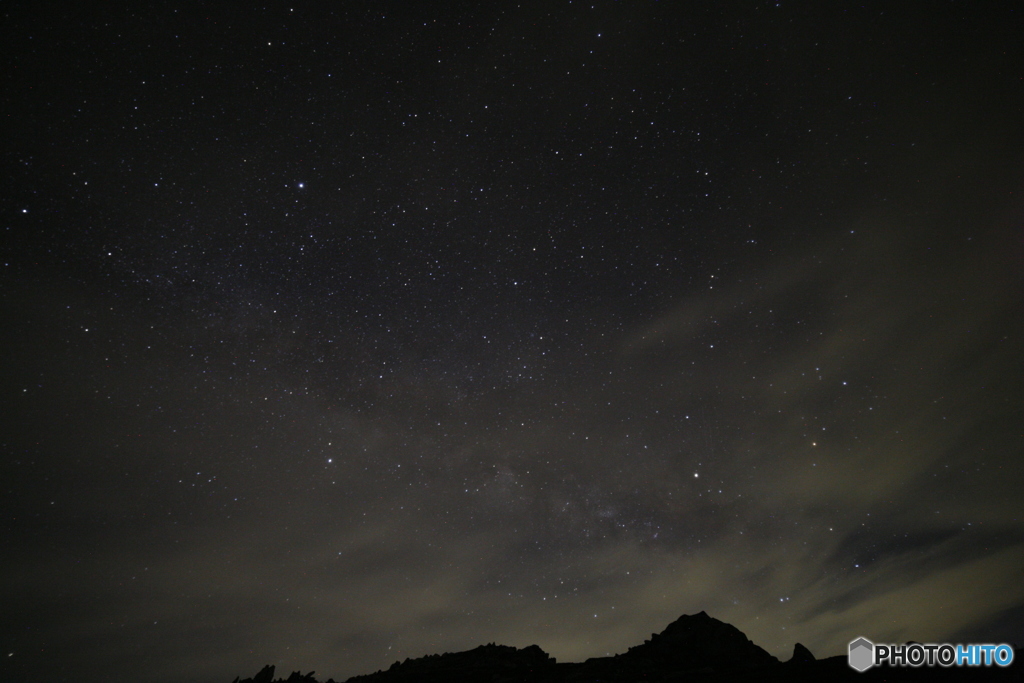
[{"x": 340, "y": 333}]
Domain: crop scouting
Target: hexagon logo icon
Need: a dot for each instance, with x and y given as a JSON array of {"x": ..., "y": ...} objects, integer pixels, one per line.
[{"x": 862, "y": 654}]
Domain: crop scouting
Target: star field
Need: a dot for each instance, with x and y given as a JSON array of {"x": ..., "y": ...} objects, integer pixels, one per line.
[{"x": 336, "y": 335}]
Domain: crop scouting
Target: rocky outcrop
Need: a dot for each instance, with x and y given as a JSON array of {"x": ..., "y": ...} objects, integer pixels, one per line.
[
  {"x": 266, "y": 675},
  {"x": 801, "y": 655}
]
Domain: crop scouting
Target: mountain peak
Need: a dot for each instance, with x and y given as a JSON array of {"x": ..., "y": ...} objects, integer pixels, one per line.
[
  {"x": 801, "y": 655},
  {"x": 699, "y": 641}
]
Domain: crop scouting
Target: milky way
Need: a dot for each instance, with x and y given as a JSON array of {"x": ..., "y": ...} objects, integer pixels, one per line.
[{"x": 338, "y": 336}]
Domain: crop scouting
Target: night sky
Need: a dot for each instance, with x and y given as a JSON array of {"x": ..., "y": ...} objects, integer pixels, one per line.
[{"x": 340, "y": 333}]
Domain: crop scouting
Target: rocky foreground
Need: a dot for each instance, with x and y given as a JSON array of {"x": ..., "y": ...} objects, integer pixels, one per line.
[{"x": 694, "y": 648}]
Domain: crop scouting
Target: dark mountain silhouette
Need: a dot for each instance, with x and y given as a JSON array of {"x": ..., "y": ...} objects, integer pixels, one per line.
[
  {"x": 266, "y": 675},
  {"x": 694, "y": 648},
  {"x": 694, "y": 642},
  {"x": 801, "y": 655},
  {"x": 485, "y": 663}
]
